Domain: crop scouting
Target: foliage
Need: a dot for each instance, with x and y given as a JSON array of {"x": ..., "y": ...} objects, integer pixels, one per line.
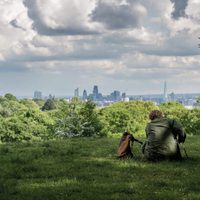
[
  {"x": 39, "y": 102},
  {"x": 131, "y": 116},
  {"x": 90, "y": 120},
  {"x": 190, "y": 119},
  {"x": 198, "y": 100},
  {"x": 49, "y": 105},
  {"x": 80, "y": 120},
  {"x": 10, "y": 107},
  {"x": 29, "y": 125},
  {"x": 10, "y": 96},
  {"x": 29, "y": 103},
  {"x": 23, "y": 120}
]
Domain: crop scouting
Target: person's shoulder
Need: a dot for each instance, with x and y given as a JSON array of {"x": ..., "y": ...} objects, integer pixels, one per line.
[
  {"x": 171, "y": 120},
  {"x": 174, "y": 122}
]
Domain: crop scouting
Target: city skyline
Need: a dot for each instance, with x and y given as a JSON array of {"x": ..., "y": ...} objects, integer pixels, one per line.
[
  {"x": 94, "y": 91},
  {"x": 187, "y": 100},
  {"x": 80, "y": 91},
  {"x": 55, "y": 46}
]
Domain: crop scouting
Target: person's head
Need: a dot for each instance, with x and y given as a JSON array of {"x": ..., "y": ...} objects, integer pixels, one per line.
[
  {"x": 126, "y": 133},
  {"x": 155, "y": 114}
]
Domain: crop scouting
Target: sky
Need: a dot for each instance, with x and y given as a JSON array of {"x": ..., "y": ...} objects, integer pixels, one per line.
[{"x": 55, "y": 46}]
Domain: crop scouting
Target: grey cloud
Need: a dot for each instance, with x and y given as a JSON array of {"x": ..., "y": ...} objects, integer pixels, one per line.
[
  {"x": 182, "y": 44},
  {"x": 144, "y": 74},
  {"x": 116, "y": 16},
  {"x": 15, "y": 24},
  {"x": 179, "y": 8},
  {"x": 43, "y": 29},
  {"x": 14, "y": 67}
]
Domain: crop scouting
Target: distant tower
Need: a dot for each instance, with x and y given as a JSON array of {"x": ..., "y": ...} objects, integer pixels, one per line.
[
  {"x": 171, "y": 97},
  {"x": 95, "y": 93},
  {"x": 37, "y": 95},
  {"x": 116, "y": 95},
  {"x": 165, "y": 92},
  {"x": 76, "y": 92},
  {"x": 123, "y": 95},
  {"x": 85, "y": 95}
]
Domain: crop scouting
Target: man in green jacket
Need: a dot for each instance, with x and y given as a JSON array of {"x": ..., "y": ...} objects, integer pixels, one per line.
[{"x": 163, "y": 137}]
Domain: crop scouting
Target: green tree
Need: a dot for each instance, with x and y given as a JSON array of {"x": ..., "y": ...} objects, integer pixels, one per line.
[
  {"x": 29, "y": 103},
  {"x": 70, "y": 124},
  {"x": 10, "y": 96},
  {"x": 80, "y": 120},
  {"x": 198, "y": 100},
  {"x": 26, "y": 125},
  {"x": 89, "y": 119},
  {"x": 49, "y": 105},
  {"x": 39, "y": 102}
]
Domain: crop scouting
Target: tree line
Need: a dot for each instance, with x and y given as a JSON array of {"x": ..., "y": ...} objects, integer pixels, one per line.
[{"x": 38, "y": 120}]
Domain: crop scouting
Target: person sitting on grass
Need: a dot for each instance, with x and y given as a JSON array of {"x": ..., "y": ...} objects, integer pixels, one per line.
[
  {"x": 124, "y": 149},
  {"x": 163, "y": 138}
]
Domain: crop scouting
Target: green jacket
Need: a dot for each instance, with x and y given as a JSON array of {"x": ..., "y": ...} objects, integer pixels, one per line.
[{"x": 163, "y": 136}]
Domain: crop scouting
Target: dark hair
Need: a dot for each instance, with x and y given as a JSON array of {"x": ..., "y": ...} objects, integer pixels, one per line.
[
  {"x": 126, "y": 133},
  {"x": 155, "y": 114}
]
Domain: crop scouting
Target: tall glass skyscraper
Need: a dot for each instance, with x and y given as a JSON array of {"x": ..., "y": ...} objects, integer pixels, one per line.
[
  {"x": 85, "y": 95},
  {"x": 95, "y": 93}
]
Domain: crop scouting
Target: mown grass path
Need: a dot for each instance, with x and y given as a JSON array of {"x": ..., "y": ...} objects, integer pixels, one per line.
[{"x": 88, "y": 169}]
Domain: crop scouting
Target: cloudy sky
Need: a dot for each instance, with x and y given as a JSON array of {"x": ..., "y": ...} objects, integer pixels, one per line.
[{"x": 130, "y": 45}]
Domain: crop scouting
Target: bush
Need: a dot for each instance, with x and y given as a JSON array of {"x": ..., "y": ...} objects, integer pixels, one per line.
[
  {"x": 131, "y": 116},
  {"x": 190, "y": 119}
]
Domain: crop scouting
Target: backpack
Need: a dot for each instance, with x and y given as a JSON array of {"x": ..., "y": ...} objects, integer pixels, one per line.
[{"x": 124, "y": 149}]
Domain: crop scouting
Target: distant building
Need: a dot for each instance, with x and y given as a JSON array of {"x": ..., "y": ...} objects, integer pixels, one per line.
[
  {"x": 96, "y": 96},
  {"x": 84, "y": 97},
  {"x": 165, "y": 98},
  {"x": 76, "y": 92},
  {"x": 37, "y": 95},
  {"x": 100, "y": 97},
  {"x": 123, "y": 95},
  {"x": 115, "y": 96},
  {"x": 126, "y": 99},
  {"x": 171, "y": 97},
  {"x": 95, "y": 93}
]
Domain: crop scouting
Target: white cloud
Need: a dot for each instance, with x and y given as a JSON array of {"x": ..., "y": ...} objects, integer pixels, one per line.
[
  {"x": 192, "y": 9},
  {"x": 62, "y": 18},
  {"x": 100, "y": 40}
]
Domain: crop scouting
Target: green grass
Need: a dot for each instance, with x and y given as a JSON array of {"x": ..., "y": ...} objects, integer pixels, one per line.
[{"x": 87, "y": 168}]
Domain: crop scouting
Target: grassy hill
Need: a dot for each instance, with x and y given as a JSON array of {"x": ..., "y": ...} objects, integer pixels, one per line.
[{"x": 87, "y": 168}]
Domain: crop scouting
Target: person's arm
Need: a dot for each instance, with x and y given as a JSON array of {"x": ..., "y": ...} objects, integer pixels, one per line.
[
  {"x": 178, "y": 132},
  {"x": 147, "y": 130},
  {"x": 136, "y": 140},
  {"x": 133, "y": 139}
]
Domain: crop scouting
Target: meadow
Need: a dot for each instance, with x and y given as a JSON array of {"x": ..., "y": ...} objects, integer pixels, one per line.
[{"x": 87, "y": 168}]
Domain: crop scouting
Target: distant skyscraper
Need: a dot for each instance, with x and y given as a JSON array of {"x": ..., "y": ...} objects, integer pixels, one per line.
[
  {"x": 76, "y": 92},
  {"x": 95, "y": 93},
  {"x": 37, "y": 95},
  {"x": 123, "y": 95},
  {"x": 172, "y": 96},
  {"x": 165, "y": 92},
  {"x": 85, "y": 95},
  {"x": 115, "y": 96}
]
